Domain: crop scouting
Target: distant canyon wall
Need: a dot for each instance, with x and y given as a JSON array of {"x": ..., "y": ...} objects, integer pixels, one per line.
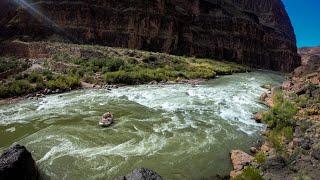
[{"x": 257, "y": 33}]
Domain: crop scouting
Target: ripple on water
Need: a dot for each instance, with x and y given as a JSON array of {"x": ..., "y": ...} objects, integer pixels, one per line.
[{"x": 183, "y": 132}]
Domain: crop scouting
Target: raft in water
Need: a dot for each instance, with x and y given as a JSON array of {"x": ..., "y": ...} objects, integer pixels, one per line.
[{"x": 105, "y": 124}]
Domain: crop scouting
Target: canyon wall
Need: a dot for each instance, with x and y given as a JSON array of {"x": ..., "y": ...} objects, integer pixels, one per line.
[{"x": 257, "y": 33}]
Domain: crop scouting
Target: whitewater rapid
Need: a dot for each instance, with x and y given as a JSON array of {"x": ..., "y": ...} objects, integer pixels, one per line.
[{"x": 181, "y": 131}]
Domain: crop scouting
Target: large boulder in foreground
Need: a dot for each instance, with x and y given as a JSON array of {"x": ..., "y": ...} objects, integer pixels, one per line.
[
  {"x": 17, "y": 163},
  {"x": 141, "y": 174}
]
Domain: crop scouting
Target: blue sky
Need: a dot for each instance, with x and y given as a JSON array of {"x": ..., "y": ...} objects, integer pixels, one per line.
[{"x": 305, "y": 17}]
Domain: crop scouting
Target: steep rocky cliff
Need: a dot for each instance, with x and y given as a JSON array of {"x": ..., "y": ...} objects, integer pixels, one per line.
[{"x": 253, "y": 32}]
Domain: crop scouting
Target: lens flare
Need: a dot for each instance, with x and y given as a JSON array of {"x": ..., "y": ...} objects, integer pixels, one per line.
[
  {"x": 30, "y": 8},
  {"x": 33, "y": 11}
]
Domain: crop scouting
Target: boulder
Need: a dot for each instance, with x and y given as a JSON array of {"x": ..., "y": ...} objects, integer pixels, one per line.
[
  {"x": 304, "y": 143},
  {"x": 269, "y": 102},
  {"x": 258, "y": 117},
  {"x": 275, "y": 89},
  {"x": 316, "y": 154},
  {"x": 153, "y": 82},
  {"x": 239, "y": 160},
  {"x": 267, "y": 86},
  {"x": 274, "y": 163},
  {"x": 265, "y": 148},
  {"x": 253, "y": 150},
  {"x": 141, "y": 174},
  {"x": 17, "y": 163},
  {"x": 263, "y": 96},
  {"x": 286, "y": 85}
]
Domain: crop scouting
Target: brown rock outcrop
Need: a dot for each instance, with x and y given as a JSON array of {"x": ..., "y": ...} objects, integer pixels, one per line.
[
  {"x": 306, "y": 74},
  {"x": 258, "y": 117},
  {"x": 239, "y": 160},
  {"x": 304, "y": 82},
  {"x": 253, "y": 32}
]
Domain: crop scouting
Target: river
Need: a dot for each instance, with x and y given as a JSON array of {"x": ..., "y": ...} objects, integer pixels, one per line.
[{"x": 180, "y": 131}]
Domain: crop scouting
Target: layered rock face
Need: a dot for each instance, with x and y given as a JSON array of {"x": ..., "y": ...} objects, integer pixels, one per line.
[
  {"x": 310, "y": 61},
  {"x": 253, "y": 32}
]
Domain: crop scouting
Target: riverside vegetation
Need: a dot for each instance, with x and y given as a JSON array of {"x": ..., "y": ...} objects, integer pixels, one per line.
[
  {"x": 63, "y": 70},
  {"x": 292, "y": 146},
  {"x": 280, "y": 121}
]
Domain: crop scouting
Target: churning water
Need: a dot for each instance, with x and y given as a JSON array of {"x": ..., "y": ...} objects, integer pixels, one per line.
[{"x": 180, "y": 131}]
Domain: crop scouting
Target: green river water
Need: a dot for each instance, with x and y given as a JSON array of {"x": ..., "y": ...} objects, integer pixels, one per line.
[{"x": 180, "y": 131}]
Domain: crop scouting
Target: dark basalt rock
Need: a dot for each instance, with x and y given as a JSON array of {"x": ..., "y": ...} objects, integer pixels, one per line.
[
  {"x": 257, "y": 33},
  {"x": 141, "y": 174},
  {"x": 274, "y": 163},
  {"x": 17, "y": 163},
  {"x": 316, "y": 154}
]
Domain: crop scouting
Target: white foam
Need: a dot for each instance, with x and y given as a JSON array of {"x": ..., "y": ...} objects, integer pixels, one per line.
[
  {"x": 12, "y": 129},
  {"x": 233, "y": 100},
  {"x": 162, "y": 121}
]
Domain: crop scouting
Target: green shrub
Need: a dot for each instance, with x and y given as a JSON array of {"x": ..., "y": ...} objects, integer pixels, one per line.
[
  {"x": 35, "y": 77},
  {"x": 78, "y": 61},
  {"x": 46, "y": 72},
  {"x": 139, "y": 75},
  {"x": 249, "y": 173},
  {"x": 280, "y": 119},
  {"x": 9, "y": 63},
  {"x": 275, "y": 139},
  {"x": 80, "y": 72},
  {"x": 61, "y": 57},
  {"x": 19, "y": 77},
  {"x": 63, "y": 82},
  {"x": 279, "y": 137},
  {"x": 287, "y": 132},
  {"x": 281, "y": 114},
  {"x": 132, "y": 61},
  {"x": 260, "y": 157},
  {"x": 3, "y": 91},
  {"x": 99, "y": 63},
  {"x": 115, "y": 77},
  {"x": 132, "y": 77},
  {"x": 114, "y": 64},
  {"x": 89, "y": 79},
  {"x": 303, "y": 175},
  {"x": 16, "y": 88}
]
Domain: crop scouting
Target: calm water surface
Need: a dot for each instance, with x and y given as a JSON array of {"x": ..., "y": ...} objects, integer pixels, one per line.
[{"x": 181, "y": 132}]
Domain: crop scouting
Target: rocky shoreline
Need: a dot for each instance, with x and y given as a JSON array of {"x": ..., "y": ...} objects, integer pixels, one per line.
[
  {"x": 303, "y": 150},
  {"x": 294, "y": 153},
  {"x": 291, "y": 152}
]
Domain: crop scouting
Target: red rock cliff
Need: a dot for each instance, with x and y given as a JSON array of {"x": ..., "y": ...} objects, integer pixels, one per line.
[{"x": 253, "y": 32}]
